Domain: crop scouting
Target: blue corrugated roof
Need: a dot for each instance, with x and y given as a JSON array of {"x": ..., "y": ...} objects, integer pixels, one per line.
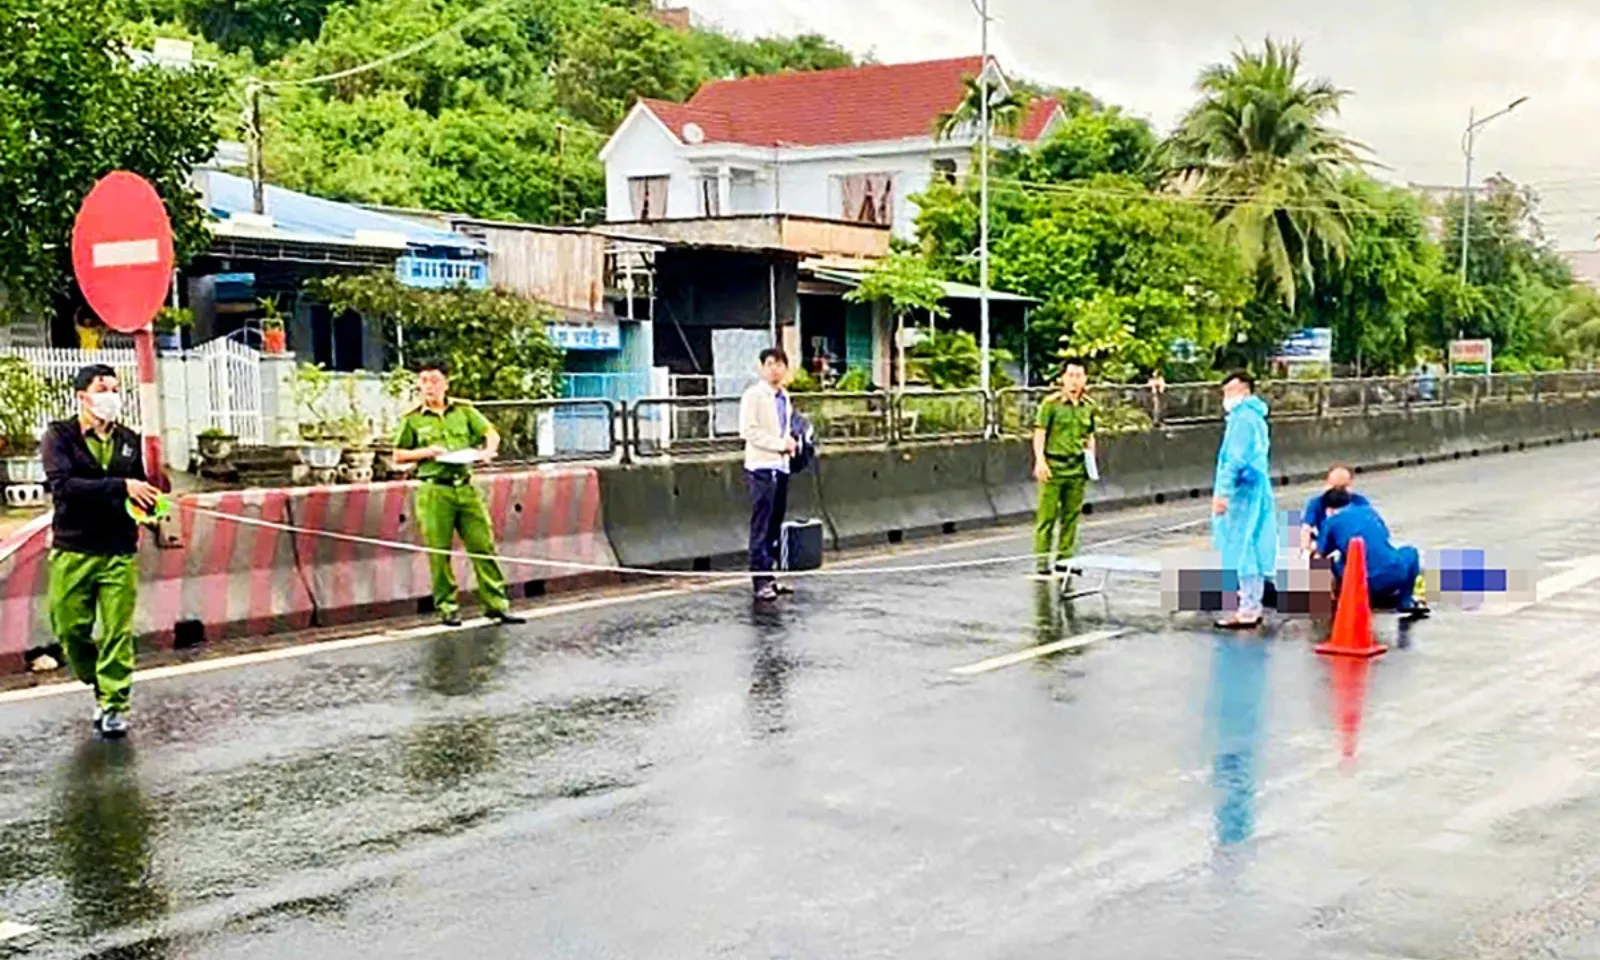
[{"x": 301, "y": 213}]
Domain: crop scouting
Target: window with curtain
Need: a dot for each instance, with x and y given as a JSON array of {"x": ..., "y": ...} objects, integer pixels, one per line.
[
  {"x": 867, "y": 198},
  {"x": 649, "y": 196},
  {"x": 710, "y": 196}
]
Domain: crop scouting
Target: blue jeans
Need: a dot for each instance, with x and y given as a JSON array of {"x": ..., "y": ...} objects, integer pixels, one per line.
[
  {"x": 769, "y": 501},
  {"x": 1394, "y": 591}
]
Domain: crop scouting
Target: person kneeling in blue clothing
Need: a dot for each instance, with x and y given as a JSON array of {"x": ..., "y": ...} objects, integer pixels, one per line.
[
  {"x": 1392, "y": 572},
  {"x": 1340, "y": 477}
]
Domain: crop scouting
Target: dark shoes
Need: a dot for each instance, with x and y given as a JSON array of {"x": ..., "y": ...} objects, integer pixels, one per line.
[
  {"x": 503, "y": 617},
  {"x": 112, "y": 724},
  {"x": 767, "y": 593}
]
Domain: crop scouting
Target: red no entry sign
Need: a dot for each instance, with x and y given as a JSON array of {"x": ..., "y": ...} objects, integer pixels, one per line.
[{"x": 122, "y": 251}]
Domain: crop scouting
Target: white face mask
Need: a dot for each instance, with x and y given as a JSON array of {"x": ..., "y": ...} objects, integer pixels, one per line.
[
  {"x": 1229, "y": 404},
  {"x": 106, "y": 406}
]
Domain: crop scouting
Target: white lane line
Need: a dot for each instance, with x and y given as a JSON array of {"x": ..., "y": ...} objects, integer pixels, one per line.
[
  {"x": 126, "y": 253},
  {"x": 297, "y": 651},
  {"x": 1034, "y": 653},
  {"x": 333, "y": 646},
  {"x": 1579, "y": 573},
  {"x": 433, "y": 630},
  {"x": 10, "y": 930}
]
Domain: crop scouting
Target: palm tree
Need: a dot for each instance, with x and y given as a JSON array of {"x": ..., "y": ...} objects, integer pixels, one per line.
[
  {"x": 1259, "y": 149},
  {"x": 1006, "y": 110}
]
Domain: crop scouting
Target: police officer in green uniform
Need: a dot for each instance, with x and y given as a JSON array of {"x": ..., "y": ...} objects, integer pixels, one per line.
[
  {"x": 1063, "y": 436},
  {"x": 94, "y": 468},
  {"x": 446, "y": 500}
]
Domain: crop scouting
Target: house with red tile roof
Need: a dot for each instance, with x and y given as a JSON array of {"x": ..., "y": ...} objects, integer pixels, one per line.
[{"x": 853, "y": 144}]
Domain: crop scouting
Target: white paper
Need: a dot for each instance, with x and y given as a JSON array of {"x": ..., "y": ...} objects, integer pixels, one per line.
[
  {"x": 1090, "y": 466},
  {"x": 460, "y": 457}
]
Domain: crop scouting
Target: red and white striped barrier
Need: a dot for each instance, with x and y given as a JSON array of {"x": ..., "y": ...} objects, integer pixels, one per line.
[
  {"x": 272, "y": 574},
  {"x": 549, "y": 515},
  {"x": 24, "y": 621}
]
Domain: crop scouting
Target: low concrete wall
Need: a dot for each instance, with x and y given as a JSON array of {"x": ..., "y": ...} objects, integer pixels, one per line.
[
  {"x": 233, "y": 579},
  {"x": 673, "y": 514},
  {"x": 237, "y": 579}
]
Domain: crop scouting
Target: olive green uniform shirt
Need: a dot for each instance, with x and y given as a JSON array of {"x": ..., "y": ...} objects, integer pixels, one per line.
[
  {"x": 458, "y": 427},
  {"x": 1067, "y": 428}
]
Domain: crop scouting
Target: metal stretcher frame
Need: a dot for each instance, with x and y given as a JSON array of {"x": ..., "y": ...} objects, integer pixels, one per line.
[{"x": 1103, "y": 564}]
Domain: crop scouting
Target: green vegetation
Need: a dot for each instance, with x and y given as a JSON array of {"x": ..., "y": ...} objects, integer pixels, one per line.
[
  {"x": 1255, "y": 218},
  {"x": 73, "y": 108},
  {"x": 495, "y": 342}
]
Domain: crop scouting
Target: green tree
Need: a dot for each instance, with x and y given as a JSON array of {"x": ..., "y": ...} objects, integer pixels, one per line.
[
  {"x": 903, "y": 283},
  {"x": 1007, "y": 107},
  {"x": 496, "y": 343},
  {"x": 724, "y": 56},
  {"x": 1121, "y": 273},
  {"x": 265, "y": 27},
  {"x": 1377, "y": 297},
  {"x": 1089, "y": 143},
  {"x": 1259, "y": 150},
  {"x": 1521, "y": 284},
  {"x": 72, "y": 109},
  {"x": 613, "y": 59}
]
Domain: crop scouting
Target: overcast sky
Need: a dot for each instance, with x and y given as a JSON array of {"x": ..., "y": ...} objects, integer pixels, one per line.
[{"x": 1414, "y": 68}]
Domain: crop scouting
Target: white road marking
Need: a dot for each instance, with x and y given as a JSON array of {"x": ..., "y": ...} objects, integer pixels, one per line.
[
  {"x": 333, "y": 646},
  {"x": 10, "y": 930},
  {"x": 432, "y": 630},
  {"x": 1579, "y": 573},
  {"x": 1034, "y": 653},
  {"x": 126, "y": 253}
]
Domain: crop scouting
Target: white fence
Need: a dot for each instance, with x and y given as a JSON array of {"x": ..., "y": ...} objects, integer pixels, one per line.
[
  {"x": 218, "y": 384},
  {"x": 58, "y": 367},
  {"x": 233, "y": 388}
]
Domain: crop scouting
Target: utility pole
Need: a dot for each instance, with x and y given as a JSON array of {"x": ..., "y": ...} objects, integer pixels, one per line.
[
  {"x": 258, "y": 175},
  {"x": 983, "y": 191},
  {"x": 1469, "y": 140}
]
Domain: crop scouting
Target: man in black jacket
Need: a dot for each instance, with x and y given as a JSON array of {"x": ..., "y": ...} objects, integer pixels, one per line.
[{"x": 94, "y": 467}]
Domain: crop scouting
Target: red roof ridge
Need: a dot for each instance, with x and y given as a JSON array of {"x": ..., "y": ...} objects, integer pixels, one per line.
[{"x": 822, "y": 76}]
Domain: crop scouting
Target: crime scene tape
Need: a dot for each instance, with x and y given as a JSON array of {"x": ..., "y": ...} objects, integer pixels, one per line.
[{"x": 670, "y": 574}]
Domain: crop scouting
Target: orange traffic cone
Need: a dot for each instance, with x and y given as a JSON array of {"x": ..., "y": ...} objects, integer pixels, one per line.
[{"x": 1352, "y": 624}]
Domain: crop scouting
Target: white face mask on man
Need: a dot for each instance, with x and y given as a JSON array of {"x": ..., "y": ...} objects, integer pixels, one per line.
[
  {"x": 1229, "y": 404},
  {"x": 106, "y": 407}
]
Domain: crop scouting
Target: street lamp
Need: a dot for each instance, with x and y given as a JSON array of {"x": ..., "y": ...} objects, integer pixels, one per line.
[{"x": 1468, "y": 141}]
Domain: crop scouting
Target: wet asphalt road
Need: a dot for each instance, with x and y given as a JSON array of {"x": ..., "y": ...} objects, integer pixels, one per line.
[{"x": 691, "y": 778}]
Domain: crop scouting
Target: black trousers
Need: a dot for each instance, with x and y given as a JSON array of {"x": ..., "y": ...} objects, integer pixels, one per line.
[{"x": 769, "y": 500}]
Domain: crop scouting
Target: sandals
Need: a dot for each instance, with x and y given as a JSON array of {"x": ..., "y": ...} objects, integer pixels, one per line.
[{"x": 1233, "y": 623}]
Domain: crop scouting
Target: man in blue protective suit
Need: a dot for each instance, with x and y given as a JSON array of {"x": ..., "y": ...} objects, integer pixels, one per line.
[
  {"x": 1244, "y": 526},
  {"x": 1392, "y": 571}
]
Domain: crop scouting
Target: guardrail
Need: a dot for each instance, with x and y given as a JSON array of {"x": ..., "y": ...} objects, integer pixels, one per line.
[
  {"x": 653, "y": 427},
  {"x": 555, "y": 431}
]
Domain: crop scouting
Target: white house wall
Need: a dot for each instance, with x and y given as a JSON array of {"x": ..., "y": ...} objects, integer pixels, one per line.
[
  {"x": 645, "y": 149},
  {"x": 804, "y": 182}
]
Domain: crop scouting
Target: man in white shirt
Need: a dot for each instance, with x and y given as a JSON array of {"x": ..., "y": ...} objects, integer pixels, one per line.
[{"x": 765, "y": 420}]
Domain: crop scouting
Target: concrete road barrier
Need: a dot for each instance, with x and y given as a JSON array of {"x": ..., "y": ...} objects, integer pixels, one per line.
[
  {"x": 905, "y": 492},
  {"x": 241, "y": 579}
]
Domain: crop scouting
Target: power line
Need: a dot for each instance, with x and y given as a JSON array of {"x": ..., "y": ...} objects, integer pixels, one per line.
[{"x": 401, "y": 54}]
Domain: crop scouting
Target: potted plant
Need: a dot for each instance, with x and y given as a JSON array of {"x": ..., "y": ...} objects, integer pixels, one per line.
[
  {"x": 169, "y": 325},
  {"x": 216, "y": 445},
  {"x": 400, "y": 389},
  {"x": 273, "y": 338},
  {"x": 24, "y": 405},
  {"x": 310, "y": 386}
]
